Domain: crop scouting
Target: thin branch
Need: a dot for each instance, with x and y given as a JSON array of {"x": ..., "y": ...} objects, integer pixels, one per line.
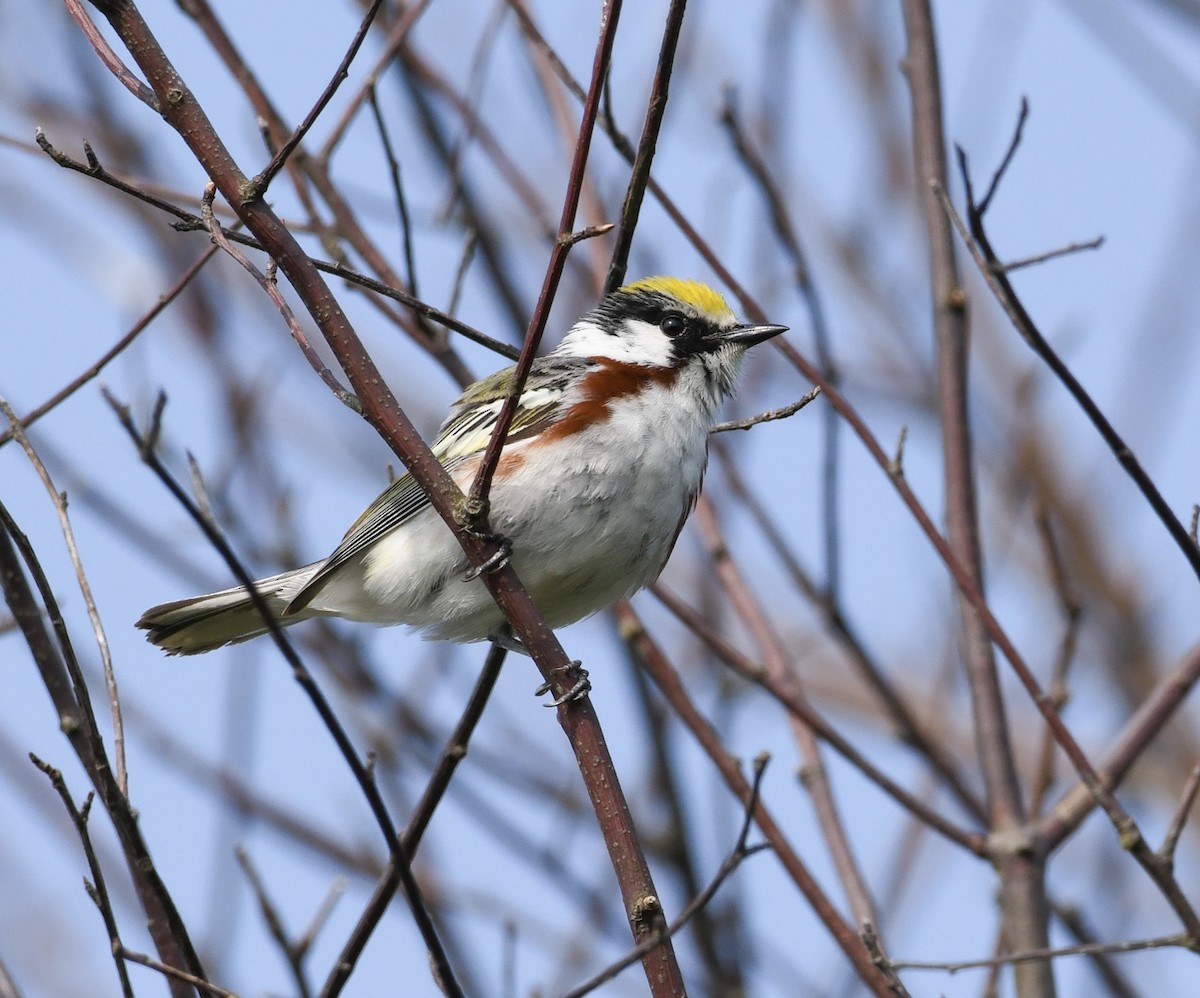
[
  {"x": 393, "y": 162},
  {"x": 558, "y": 258},
  {"x": 59, "y": 501},
  {"x": 361, "y": 772},
  {"x": 791, "y": 698},
  {"x": 173, "y": 973},
  {"x": 110, "y": 58},
  {"x": 217, "y": 233},
  {"x": 1050, "y": 953},
  {"x": 1166, "y": 851},
  {"x": 769, "y": 416},
  {"x": 776, "y": 667},
  {"x": 97, "y": 889},
  {"x": 871, "y": 941},
  {"x": 1053, "y": 254},
  {"x": 737, "y": 855},
  {"x": 263, "y": 180},
  {"x": 190, "y": 221},
  {"x": 64, "y": 681},
  {"x": 292, "y": 954},
  {"x": 1020, "y": 869},
  {"x": 453, "y": 753},
  {"x": 37, "y": 412},
  {"x": 910, "y": 729},
  {"x": 666, "y": 678},
  {"x": 997, "y": 280},
  {"x": 639, "y": 176},
  {"x": 787, "y": 237}
]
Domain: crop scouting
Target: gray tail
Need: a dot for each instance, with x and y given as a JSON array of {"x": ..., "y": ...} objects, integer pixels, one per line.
[{"x": 202, "y": 623}]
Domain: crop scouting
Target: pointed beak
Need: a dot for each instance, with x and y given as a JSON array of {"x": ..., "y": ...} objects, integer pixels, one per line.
[{"x": 748, "y": 334}]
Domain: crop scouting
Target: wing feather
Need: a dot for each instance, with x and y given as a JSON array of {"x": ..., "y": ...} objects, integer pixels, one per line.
[{"x": 463, "y": 436}]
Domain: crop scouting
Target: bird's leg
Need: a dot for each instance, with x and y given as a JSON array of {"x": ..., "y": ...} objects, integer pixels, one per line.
[{"x": 504, "y": 638}]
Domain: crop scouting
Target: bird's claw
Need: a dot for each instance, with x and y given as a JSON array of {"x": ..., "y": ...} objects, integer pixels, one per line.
[
  {"x": 496, "y": 560},
  {"x": 580, "y": 688}
]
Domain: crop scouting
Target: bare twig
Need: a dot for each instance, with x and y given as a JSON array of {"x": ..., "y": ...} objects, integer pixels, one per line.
[
  {"x": 997, "y": 281},
  {"x": 1049, "y": 953},
  {"x": 173, "y": 974},
  {"x": 1020, "y": 869},
  {"x": 59, "y": 500},
  {"x": 1166, "y": 852},
  {"x": 268, "y": 285},
  {"x": 362, "y": 775},
  {"x": 667, "y": 680},
  {"x": 737, "y": 855},
  {"x": 871, "y": 941},
  {"x": 63, "y": 679},
  {"x": 558, "y": 258},
  {"x": 790, "y": 697},
  {"x": 1052, "y": 254},
  {"x": 97, "y": 889},
  {"x": 453, "y": 753},
  {"x": 639, "y": 176},
  {"x": 292, "y": 953},
  {"x": 263, "y": 180},
  {"x": 37, "y": 412},
  {"x": 770, "y": 415},
  {"x": 786, "y": 235}
]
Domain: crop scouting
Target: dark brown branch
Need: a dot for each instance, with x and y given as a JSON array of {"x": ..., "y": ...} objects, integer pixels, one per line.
[
  {"x": 558, "y": 258},
  {"x": 63, "y": 679},
  {"x": 656, "y": 108}
]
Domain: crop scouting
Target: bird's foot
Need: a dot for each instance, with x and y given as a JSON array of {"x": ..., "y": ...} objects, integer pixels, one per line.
[
  {"x": 580, "y": 687},
  {"x": 497, "y": 560}
]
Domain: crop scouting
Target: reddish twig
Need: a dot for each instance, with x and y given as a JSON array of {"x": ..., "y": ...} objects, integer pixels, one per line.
[
  {"x": 97, "y": 889},
  {"x": 263, "y": 180},
  {"x": 777, "y": 670},
  {"x": 639, "y": 176},
  {"x": 667, "y": 680},
  {"x": 558, "y": 258},
  {"x": 361, "y": 772},
  {"x": 737, "y": 855},
  {"x": 997, "y": 280}
]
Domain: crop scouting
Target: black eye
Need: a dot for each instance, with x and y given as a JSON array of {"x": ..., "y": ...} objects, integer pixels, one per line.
[{"x": 673, "y": 324}]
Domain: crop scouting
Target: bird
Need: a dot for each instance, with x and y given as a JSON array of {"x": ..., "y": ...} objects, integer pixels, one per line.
[{"x": 600, "y": 469}]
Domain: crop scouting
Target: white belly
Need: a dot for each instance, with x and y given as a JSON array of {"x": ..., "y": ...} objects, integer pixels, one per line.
[{"x": 588, "y": 527}]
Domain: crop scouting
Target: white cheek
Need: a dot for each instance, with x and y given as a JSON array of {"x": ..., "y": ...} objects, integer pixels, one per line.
[{"x": 640, "y": 343}]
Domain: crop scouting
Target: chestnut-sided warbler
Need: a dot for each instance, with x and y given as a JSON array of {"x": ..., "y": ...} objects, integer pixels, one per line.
[{"x": 600, "y": 469}]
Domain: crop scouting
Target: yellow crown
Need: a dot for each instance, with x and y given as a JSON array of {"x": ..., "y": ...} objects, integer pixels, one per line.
[{"x": 700, "y": 296}]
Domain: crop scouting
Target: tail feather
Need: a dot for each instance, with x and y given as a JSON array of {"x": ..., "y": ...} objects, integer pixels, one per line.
[{"x": 201, "y": 623}]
